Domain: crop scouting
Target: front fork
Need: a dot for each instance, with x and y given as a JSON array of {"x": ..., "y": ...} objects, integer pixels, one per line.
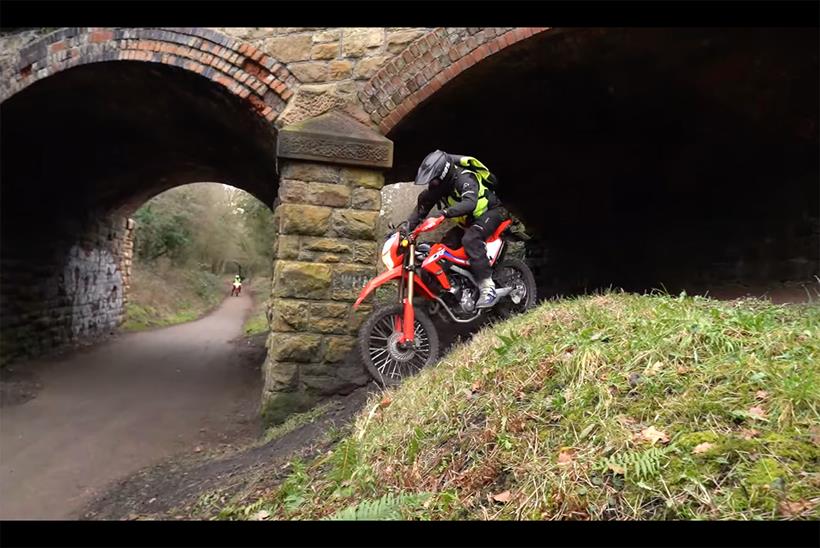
[{"x": 409, "y": 320}]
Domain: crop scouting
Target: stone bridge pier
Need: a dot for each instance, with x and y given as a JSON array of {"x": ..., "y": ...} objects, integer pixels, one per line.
[{"x": 325, "y": 251}]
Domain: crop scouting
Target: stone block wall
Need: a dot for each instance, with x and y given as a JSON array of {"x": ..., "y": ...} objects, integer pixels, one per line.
[
  {"x": 332, "y": 64},
  {"x": 326, "y": 217},
  {"x": 75, "y": 292}
]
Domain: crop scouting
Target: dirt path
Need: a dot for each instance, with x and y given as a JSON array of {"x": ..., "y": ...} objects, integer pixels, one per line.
[
  {"x": 176, "y": 487},
  {"x": 104, "y": 413}
]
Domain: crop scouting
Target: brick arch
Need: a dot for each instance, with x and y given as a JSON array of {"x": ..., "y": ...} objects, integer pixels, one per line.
[
  {"x": 240, "y": 67},
  {"x": 427, "y": 64}
]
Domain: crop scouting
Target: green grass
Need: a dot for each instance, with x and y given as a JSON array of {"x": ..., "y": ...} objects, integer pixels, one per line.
[
  {"x": 614, "y": 406},
  {"x": 173, "y": 296},
  {"x": 257, "y": 321},
  {"x": 141, "y": 316}
]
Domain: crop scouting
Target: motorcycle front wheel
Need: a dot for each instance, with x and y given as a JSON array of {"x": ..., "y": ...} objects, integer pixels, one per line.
[{"x": 385, "y": 360}]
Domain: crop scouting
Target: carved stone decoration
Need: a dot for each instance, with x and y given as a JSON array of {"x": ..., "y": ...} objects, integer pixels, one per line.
[{"x": 335, "y": 138}]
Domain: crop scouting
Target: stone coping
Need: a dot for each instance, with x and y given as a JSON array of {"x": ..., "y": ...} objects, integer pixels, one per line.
[{"x": 336, "y": 138}]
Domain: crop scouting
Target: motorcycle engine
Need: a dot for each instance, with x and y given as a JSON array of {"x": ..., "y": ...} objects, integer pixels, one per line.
[
  {"x": 468, "y": 300},
  {"x": 462, "y": 295}
]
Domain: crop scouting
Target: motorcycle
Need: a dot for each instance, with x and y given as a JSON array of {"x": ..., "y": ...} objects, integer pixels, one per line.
[{"x": 397, "y": 340}]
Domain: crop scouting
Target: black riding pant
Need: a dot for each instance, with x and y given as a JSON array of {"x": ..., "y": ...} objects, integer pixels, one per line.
[{"x": 472, "y": 238}]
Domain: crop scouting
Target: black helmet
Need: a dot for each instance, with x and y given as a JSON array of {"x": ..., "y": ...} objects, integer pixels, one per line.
[{"x": 437, "y": 165}]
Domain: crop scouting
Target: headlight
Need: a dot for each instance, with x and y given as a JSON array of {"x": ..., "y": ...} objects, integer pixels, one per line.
[
  {"x": 387, "y": 260},
  {"x": 387, "y": 251}
]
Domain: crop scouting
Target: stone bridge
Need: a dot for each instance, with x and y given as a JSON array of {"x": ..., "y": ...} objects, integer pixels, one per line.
[{"x": 638, "y": 157}]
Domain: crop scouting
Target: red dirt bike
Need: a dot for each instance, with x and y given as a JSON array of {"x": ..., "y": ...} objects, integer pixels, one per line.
[
  {"x": 397, "y": 340},
  {"x": 236, "y": 290}
]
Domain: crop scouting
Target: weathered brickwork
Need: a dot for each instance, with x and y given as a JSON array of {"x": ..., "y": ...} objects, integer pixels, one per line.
[
  {"x": 243, "y": 69},
  {"x": 374, "y": 74},
  {"x": 77, "y": 295},
  {"x": 427, "y": 64}
]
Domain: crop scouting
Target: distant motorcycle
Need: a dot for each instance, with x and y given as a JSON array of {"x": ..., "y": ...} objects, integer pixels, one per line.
[
  {"x": 399, "y": 339},
  {"x": 237, "y": 289}
]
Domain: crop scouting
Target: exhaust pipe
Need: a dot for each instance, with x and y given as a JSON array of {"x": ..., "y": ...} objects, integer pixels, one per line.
[{"x": 503, "y": 292}]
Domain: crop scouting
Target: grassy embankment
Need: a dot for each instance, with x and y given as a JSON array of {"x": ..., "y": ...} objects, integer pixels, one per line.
[{"x": 614, "y": 406}]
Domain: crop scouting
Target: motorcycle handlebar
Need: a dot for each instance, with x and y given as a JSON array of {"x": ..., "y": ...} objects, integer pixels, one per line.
[{"x": 428, "y": 224}]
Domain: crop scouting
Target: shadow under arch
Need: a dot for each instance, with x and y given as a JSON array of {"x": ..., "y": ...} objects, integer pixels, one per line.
[
  {"x": 641, "y": 157},
  {"x": 81, "y": 150}
]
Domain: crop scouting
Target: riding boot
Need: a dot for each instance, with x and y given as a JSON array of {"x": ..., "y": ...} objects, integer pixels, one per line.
[{"x": 487, "y": 297}]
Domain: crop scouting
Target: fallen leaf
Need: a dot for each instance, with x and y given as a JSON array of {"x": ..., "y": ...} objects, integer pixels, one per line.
[
  {"x": 654, "y": 369},
  {"x": 617, "y": 468},
  {"x": 520, "y": 395},
  {"x": 261, "y": 514},
  {"x": 653, "y": 435},
  {"x": 565, "y": 457},
  {"x": 502, "y": 497},
  {"x": 702, "y": 448},
  {"x": 749, "y": 433},
  {"x": 794, "y": 509},
  {"x": 476, "y": 386},
  {"x": 814, "y": 432},
  {"x": 633, "y": 379},
  {"x": 761, "y": 394},
  {"x": 198, "y": 449},
  {"x": 385, "y": 402},
  {"x": 757, "y": 412},
  {"x": 681, "y": 370}
]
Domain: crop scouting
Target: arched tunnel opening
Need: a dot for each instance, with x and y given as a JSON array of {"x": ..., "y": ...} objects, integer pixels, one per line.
[
  {"x": 82, "y": 150},
  {"x": 643, "y": 158}
]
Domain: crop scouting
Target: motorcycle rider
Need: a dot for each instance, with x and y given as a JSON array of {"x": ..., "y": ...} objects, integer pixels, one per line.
[{"x": 457, "y": 183}]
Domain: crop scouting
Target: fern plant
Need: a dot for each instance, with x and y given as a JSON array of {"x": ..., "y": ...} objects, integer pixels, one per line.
[
  {"x": 638, "y": 464},
  {"x": 344, "y": 461},
  {"x": 388, "y": 507}
]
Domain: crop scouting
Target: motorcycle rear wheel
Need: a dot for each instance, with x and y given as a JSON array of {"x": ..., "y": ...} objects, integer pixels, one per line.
[
  {"x": 384, "y": 360},
  {"x": 515, "y": 273}
]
